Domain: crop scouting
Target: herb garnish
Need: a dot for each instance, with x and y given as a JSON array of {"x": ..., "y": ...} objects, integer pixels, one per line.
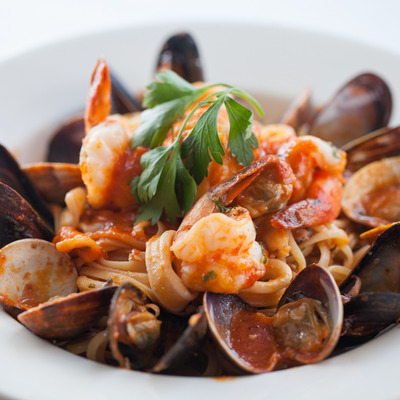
[
  {"x": 264, "y": 253},
  {"x": 165, "y": 178},
  {"x": 209, "y": 275}
]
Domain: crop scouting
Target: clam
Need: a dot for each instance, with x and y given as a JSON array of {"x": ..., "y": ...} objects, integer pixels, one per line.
[
  {"x": 374, "y": 146},
  {"x": 361, "y": 106},
  {"x": 180, "y": 55},
  {"x": 68, "y": 317},
  {"x": 305, "y": 328},
  {"x": 54, "y": 180},
  {"x": 32, "y": 271},
  {"x": 372, "y": 195}
]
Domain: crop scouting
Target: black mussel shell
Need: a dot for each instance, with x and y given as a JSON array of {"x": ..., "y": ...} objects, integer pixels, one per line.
[{"x": 180, "y": 55}]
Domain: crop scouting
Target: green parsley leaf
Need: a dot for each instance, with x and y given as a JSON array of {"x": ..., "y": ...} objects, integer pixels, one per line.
[
  {"x": 168, "y": 86},
  {"x": 168, "y": 98},
  {"x": 91, "y": 286},
  {"x": 166, "y": 183},
  {"x": 202, "y": 141},
  {"x": 152, "y": 163},
  {"x": 165, "y": 198},
  {"x": 185, "y": 186},
  {"x": 209, "y": 275},
  {"x": 241, "y": 137}
]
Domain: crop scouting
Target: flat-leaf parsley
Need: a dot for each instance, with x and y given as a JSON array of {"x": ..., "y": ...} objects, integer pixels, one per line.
[{"x": 170, "y": 173}]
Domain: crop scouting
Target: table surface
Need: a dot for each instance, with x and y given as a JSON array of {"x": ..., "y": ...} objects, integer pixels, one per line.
[{"x": 26, "y": 24}]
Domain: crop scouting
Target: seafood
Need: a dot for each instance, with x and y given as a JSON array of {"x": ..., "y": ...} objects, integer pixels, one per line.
[
  {"x": 371, "y": 195},
  {"x": 316, "y": 197},
  {"x": 373, "y": 289},
  {"x": 180, "y": 54},
  {"x": 305, "y": 328},
  {"x": 67, "y": 140},
  {"x": 67, "y": 317},
  {"x": 238, "y": 273},
  {"x": 33, "y": 271},
  {"x": 217, "y": 251},
  {"x": 361, "y": 106}
]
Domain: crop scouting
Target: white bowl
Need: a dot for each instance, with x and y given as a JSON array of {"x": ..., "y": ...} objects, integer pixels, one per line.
[{"x": 42, "y": 88}]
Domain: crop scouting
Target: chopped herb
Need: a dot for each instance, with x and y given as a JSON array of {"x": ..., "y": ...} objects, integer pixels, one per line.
[
  {"x": 335, "y": 151},
  {"x": 264, "y": 253},
  {"x": 221, "y": 208},
  {"x": 167, "y": 183},
  {"x": 91, "y": 286},
  {"x": 209, "y": 275}
]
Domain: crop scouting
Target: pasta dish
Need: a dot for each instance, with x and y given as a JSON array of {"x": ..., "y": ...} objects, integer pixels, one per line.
[{"x": 191, "y": 238}]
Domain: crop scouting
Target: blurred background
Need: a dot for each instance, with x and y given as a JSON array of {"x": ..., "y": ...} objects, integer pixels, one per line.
[{"x": 26, "y": 24}]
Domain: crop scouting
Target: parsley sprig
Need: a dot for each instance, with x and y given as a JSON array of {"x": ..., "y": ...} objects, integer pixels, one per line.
[{"x": 167, "y": 183}]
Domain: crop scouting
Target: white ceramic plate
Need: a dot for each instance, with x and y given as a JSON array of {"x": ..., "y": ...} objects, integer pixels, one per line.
[{"x": 40, "y": 89}]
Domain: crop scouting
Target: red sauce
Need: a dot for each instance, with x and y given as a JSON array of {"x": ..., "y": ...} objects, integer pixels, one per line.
[
  {"x": 252, "y": 339},
  {"x": 127, "y": 167}
]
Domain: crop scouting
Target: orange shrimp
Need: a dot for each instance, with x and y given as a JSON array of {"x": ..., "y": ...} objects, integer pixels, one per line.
[{"x": 317, "y": 191}]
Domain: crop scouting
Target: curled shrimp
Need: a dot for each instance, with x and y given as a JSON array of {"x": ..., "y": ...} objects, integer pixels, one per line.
[
  {"x": 215, "y": 248},
  {"x": 317, "y": 190},
  {"x": 106, "y": 161}
]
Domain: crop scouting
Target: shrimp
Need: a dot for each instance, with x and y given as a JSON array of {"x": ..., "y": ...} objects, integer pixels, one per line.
[
  {"x": 107, "y": 164},
  {"x": 217, "y": 251},
  {"x": 317, "y": 190}
]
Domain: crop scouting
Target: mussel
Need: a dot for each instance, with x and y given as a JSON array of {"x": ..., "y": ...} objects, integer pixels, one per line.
[
  {"x": 375, "y": 304},
  {"x": 305, "y": 328},
  {"x": 146, "y": 338},
  {"x": 362, "y": 105},
  {"x": 18, "y": 220},
  {"x": 13, "y": 176},
  {"x": 180, "y": 54}
]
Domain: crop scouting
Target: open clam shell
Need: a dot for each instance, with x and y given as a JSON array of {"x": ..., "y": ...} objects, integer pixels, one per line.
[
  {"x": 371, "y": 195},
  {"x": 54, "y": 180},
  {"x": 289, "y": 337},
  {"x": 374, "y": 146},
  {"x": 67, "y": 317},
  {"x": 32, "y": 271}
]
